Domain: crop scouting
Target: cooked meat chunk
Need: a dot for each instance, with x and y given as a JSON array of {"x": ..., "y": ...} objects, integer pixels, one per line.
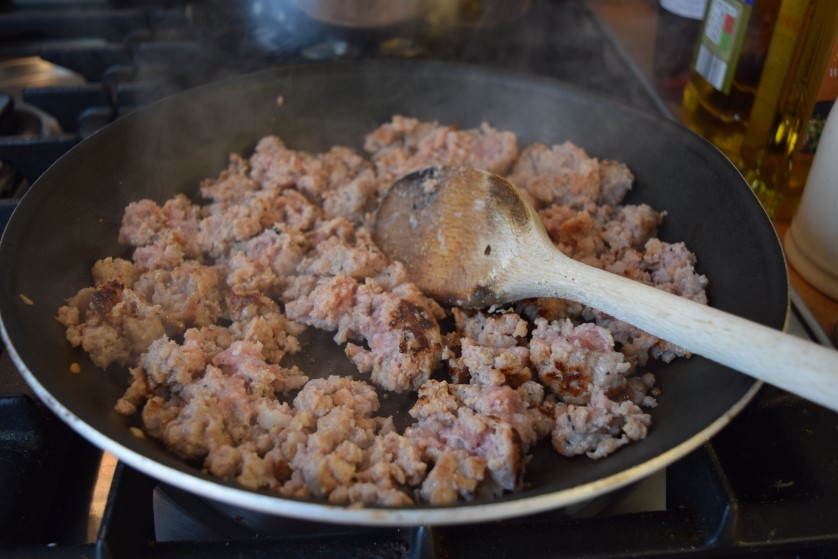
[
  {"x": 356, "y": 199},
  {"x": 326, "y": 303},
  {"x": 275, "y": 167},
  {"x": 561, "y": 174},
  {"x": 189, "y": 295},
  {"x": 599, "y": 235},
  {"x": 600, "y": 428},
  {"x": 343, "y": 453},
  {"x": 499, "y": 330},
  {"x": 455, "y": 475},
  {"x": 492, "y": 440},
  {"x": 504, "y": 403},
  {"x": 357, "y": 257},
  {"x": 163, "y": 236},
  {"x": 276, "y": 334},
  {"x": 406, "y": 144},
  {"x": 111, "y": 323},
  {"x": 144, "y": 222},
  {"x": 232, "y": 184},
  {"x": 401, "y": 329},
  {"x": 485, "y": 349},
  {"x": 575, "y": 360},
  {"x": 265, "y": 262},
  {"x": 459, "y": 418},
  {"x": 225, "y": 225},
  {"x": 615, "y": 182},
  {"x": 490, "y": 366},
  {"x": 117, "y": 270}
]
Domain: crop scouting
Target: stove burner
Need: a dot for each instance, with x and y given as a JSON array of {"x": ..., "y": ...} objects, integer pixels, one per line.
[
  {"x": 19, "y": 118},
  {"x": 27, "y": 121},
  {"x": 22, "y": 121},
  {"x": 33, "y": 71}
]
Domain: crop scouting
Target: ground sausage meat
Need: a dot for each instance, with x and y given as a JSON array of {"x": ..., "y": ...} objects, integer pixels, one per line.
[{"x": 210, "y": 303}]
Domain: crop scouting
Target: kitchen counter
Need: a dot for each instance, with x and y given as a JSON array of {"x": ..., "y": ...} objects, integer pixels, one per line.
[{"x": 658, "y": 45}]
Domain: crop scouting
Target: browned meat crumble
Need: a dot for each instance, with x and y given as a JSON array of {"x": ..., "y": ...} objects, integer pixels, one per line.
[{"x": 217, "y": 292}]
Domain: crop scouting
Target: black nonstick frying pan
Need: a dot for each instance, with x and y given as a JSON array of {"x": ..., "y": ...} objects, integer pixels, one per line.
[{"x": 71, "y": 216}]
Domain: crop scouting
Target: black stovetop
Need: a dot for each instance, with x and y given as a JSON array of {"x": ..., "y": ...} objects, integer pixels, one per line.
[{"x": 767, "y": 485}]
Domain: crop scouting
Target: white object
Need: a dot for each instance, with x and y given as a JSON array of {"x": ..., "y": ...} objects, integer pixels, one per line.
[
  {"x": 812, "y": 240},
  {"x": 692, "y": 9}
]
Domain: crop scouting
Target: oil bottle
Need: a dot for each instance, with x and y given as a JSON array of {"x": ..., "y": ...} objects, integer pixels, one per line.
[
  {"x": 798, "y": 86},
  {"x": 726, "y": 69}
]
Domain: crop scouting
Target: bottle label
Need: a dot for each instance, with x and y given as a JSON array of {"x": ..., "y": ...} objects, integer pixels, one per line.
[{"x": 722, "y": 36}]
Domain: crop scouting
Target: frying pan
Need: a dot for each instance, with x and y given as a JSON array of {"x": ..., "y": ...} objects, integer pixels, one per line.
[{"x": 71, "y": 216}]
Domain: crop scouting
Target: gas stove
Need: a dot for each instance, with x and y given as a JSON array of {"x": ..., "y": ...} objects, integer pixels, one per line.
[{"x": 765, "y": 486}]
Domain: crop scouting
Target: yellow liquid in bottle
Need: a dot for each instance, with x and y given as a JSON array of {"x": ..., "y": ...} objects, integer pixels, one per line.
[
  {"x": 719, "y": 118},
  {"x": 722, "y": 117},
  {"x": 770, "y": 158}
]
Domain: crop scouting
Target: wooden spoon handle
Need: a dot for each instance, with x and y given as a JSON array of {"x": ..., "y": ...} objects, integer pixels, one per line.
[{"x": 793, "y": 364}]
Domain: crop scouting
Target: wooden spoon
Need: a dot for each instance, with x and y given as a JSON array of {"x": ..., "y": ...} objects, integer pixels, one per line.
[{"x": 468, "y": 238}]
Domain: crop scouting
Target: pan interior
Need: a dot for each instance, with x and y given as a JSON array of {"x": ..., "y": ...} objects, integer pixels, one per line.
[{"x": 71, "y": 216}]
